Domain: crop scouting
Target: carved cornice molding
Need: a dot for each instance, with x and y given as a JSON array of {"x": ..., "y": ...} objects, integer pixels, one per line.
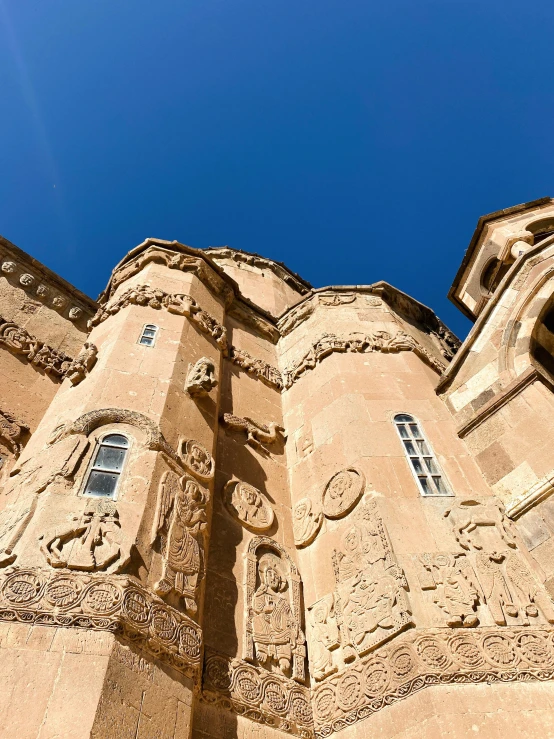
[
  {"x": 44, "y": 286},
  {"x": 174, "y": 260},
  {"x": 178, "y": 303},
  {"x": 255, "y": 260},
  {"x": 42, "y": 356},
  {"x": 256, "y": 367},
  {"x": 257, "y": 694},
  {"x": 107, "y": 603},
  {"x": 426, "y": 658},
  {"x": 380, "y": 341}
]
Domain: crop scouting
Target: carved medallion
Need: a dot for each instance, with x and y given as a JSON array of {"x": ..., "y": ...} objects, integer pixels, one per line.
[
  {"x": 342, "y": 492},
  {"x": 306, "y": 522},
  {"x": 197, "y": 459},
  {"x": 245, "y": 503}
]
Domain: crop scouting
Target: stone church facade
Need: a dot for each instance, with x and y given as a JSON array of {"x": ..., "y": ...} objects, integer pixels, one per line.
[{"x": 234, "y": 506}]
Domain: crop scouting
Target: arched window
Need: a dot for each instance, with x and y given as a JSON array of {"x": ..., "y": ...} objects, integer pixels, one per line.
[
  {"x": 148, "y": 335},
  {"x": 542, "y": 339},
  {"x": 105, "y": 471},
  {"x": 422, "y": 461}
]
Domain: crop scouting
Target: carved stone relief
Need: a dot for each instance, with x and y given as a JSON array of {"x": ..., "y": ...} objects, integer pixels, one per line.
[
  {"x": 180, "y": 523},
  {"x": 306, "y": 522},
  {"x": 455, "y": 585},
  {"x": 14, "y": 519},
  {"x": 487, "y": 575},
  {"x": 100, "y": 602},
  {"x": 34, "y": 287},
  {"x": 381, "y": 341},
  {"x": 253, "y": 692},
  {"x": 342, "y": 492},
  {"x": 257, "y": 367},
  {"x": 323, "y": 637},
  {"x": 20, "y": 342},
  {"x": 371, "y": 597},
  {"x": 180, "y": 304},
  {"x": 273, "y": 634},
  {"x": 257, "y": 434},
  {"x": 296, "y": 316},
  {"x": 80, "y": 367},
  {"x": 245, "y": 503},
  {"x": 90, "y": 542},
  {"x": 201, "y": 378},
  {"x": 197, "y": 459},
  {"x": 334, "y": 299},
  {"x": 11, "y": 432}
]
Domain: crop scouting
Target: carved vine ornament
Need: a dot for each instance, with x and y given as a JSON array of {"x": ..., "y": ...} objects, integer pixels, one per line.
[{"x": 55, "y": 363}]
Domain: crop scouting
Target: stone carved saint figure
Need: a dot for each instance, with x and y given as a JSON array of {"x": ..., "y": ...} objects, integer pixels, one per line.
[
  {"x": 180, "y": 521},
  {"x": 90, "y": 542},
  {"x": 496, "y": 589},
  {"x": 201, "y": 378},
  {"x": 246, "y": 503},
  {"x": 532, "y": 596},
  {"x": 274, "y": 629},
  {"x": 456, "y": 590},
  {"x": 324, "y": 637},
  {"x": 371, "y": 586},
  {"x": 306, "y": 522}
]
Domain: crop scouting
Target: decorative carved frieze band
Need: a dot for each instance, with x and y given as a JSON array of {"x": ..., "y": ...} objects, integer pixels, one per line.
[
  {"x": 11, "y": 432},
  {"x": 257, "y": 367},
  {"x": 423, "y": 659},
  {"x": 40, "y": 288},
  {"x": 178, "y": 303},
  {"x": 55, "y": 363},
  {"x": 257, "y": 434},
  {"x": 380, "y": 341},
  {"x": 108, "y": 603},
  {"x": 173, "y": 260},
  {"x": 255, "y": 693}
]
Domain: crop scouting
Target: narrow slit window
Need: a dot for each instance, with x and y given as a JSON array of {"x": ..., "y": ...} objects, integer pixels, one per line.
[
  {"x": 425, "y": 467},
  {"x": 105, "y": 471},
  {"x": 148, "y": 335}
]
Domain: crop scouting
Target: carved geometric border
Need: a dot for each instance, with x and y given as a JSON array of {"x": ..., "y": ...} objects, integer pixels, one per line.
[
  {"x": 430, "y": 658},
  {"x": 257, "y": 694},
  {"x": 108, "y": 603}
]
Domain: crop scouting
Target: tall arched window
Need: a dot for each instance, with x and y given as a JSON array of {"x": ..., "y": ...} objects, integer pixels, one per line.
[
  {"x": 542, "y": 339},
  {"x": 424, "y": 466},
  {"x": 148, "y": 335},
  {"x": 105, "y": 471}
]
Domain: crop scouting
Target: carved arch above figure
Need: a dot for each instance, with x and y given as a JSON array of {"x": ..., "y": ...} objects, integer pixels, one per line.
[{"x": 273, "y": 636}]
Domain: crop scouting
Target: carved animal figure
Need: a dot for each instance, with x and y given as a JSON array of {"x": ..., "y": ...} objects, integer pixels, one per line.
[
  {"x": 467, "y": 515},
  {"x": 257, "y": 433},
  {"x": 11, "y": 431}
]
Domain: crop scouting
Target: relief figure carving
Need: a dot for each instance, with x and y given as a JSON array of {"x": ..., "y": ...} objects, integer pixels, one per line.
[
  {"x": 90, "y": 542},
  {"x": 11, "y": 431},
  {"x": 201, "y": 378},
  {"x": 324, "y": 637},
  {"x": 83, "y": 363},
  {"x": 197, "y": 459},
  {"x": 371, "y": 586},
  {"x": 306, "y": 522},
  {"x": 342, "y": 492},
  {"x": 248, "y": 505},
  {"x": 455, "y": 586},
  {"x": 180, "y": 522},
  {"x": 274, "y": 629}
]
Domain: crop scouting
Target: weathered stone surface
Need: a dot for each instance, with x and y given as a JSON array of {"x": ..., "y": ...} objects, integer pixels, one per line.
[{"x": 237, "y": 507}]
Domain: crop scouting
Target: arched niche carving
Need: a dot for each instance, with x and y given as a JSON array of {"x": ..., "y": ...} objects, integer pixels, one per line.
[{"x": 273, "y": 590}]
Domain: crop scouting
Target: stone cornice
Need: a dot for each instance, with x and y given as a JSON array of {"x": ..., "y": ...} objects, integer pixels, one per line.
[
  {"x": 280, "y": 269},
  {"x": 518, "y": 270},
  {"x": 43, "y": 285},
  {"x": 380, "y": 341},
  {"x": 118, "y": 604}
]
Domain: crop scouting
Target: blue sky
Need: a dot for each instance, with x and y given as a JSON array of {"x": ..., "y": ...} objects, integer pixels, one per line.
[{"x": 351, "y": 139}]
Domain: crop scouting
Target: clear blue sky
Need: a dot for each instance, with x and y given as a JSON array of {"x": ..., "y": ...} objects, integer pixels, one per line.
[{"x": 354, "y": 140}]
